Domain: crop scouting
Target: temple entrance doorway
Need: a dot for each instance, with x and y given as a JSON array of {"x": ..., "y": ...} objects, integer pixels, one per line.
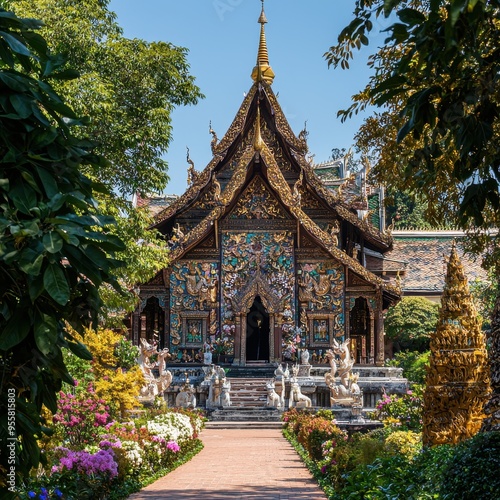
[{"x": 257, "y": 341}]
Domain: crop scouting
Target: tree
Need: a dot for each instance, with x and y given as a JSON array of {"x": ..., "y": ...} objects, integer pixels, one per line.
[
  {"x": 410, "y": 322},
  {"x": 128, "y": 88},
  {"x": 55, "y": 247},
  {"x": 437, "y": 78},
  {"x": 457, "y": 384}
]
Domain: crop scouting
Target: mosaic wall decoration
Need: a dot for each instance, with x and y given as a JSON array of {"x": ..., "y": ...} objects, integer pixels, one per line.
[
  {"x": 321, "y": 288},
  {"x": 249, "y": 256},
  {"x": 193, "y": 287}
]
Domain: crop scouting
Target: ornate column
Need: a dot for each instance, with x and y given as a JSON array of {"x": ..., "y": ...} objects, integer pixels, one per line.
[{"x": 238, "y": 354}]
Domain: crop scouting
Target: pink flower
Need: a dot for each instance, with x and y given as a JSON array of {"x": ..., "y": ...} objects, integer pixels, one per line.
[{"x": 173, "y": 446}]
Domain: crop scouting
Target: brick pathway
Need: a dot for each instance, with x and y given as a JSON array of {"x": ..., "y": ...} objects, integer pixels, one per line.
[{"x": 256, "y": 464}]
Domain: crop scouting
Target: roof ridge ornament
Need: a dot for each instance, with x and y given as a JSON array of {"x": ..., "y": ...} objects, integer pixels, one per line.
[
  {"x": 258, "y": 142},
  {"x": 262, "y": 71}
]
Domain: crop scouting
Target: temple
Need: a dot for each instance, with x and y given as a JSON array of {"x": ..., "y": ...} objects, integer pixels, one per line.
[{"x": 265, "y": 260}]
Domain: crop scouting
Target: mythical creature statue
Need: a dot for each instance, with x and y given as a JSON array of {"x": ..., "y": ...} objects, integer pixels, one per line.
[
  {"x": 273, "y": 398},
  {"x": 296, "y": 397},
  {"x": 348, "y": 392},
  {"x": 218, "y": 383},
  {"x": 154, "y": 386},
  {"x": 186, "y": 397},
  {"x": 225, "y": 397}
]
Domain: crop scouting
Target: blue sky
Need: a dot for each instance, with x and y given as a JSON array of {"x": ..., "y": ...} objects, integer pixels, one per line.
[{"x": 222, "y": 37}]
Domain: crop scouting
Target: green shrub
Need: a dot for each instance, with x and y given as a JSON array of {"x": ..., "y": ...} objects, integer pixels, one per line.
[
  {"x": 472, "y": 472},
  {"x": 400, "y": 412},
  {"x": 410, "y": 322},
  {"x": 413, "y": 363},
  {"x": 314, "y": 432}
]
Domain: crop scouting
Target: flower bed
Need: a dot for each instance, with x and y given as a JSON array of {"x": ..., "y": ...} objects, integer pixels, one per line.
[{"x": 93, "y": 457}]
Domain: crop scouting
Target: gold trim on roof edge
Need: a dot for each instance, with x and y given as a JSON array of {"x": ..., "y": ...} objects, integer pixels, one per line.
[
  {"x": 204, "y": 227},
  {"x": 190, "y": 194},
  {"x": 279, "y": 184},
  {"x": 337, "y": 204},
  {"x": 238, "y": 123},
  {"x": 299, "y": 148}
]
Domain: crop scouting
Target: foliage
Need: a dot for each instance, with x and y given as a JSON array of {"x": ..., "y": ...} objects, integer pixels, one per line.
[
  {"x": 410, "y": 323},
  {"x": 403, "y": 443},
  {"x": 81, "y": 418},
  {"x": 55, "y": 249},
  {"x": 112, "y": 382},
  {"x": 400, "y": 412},
  {"x": 472, "y": 472},
  {"x": 119, "y": 459},
  {"x": 406, "y": 211},
  {"x": 413, "y": 363},
  {"x": 436, "y": 75},
  {"x": 118, "y": 76},
  {"x": 485, "y": 294},
  {"x": 315, "y": 431},
  {"x": 126, "y": 353}
]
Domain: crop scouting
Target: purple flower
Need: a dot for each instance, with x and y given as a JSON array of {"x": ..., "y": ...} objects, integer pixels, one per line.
[
  {"x": 323, "y": 469},
  {"x": 31, "y": 494},
  {"x": 173, "y": 446}
]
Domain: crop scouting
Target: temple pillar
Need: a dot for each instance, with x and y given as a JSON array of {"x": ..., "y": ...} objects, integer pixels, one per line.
[
  {"x": 379, "y": 361},
  {"x": 238, "y": 355}
]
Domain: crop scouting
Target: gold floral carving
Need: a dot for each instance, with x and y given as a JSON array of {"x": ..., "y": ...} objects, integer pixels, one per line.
[{"x": 257, "y": 202}]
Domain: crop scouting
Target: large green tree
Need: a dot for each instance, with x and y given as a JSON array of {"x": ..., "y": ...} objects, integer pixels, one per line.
[
  {"x": 128, "y": 88},
  {"x": 55, "y": 246},
  {"x": 437, "y": 134},
  {"x": 410, "y": 323}
]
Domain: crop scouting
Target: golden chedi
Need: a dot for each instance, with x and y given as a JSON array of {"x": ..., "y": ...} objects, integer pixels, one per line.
[{"x": 457, "y": 385}]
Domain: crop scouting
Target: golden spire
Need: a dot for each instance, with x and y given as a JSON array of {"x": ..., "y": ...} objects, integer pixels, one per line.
[{"x": 262, "y": 71}]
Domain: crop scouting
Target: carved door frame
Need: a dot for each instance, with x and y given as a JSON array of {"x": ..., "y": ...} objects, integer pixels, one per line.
[{"x": 243, "y": 304}]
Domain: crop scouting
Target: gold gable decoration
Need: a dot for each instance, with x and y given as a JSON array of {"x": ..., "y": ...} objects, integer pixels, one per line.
[
  {"x": 257, "y": 202},
  {"x": 457, "y": 385}
]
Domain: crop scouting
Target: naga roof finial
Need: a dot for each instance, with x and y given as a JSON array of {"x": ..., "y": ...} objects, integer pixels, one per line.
[{"x": 262, "y": 71}]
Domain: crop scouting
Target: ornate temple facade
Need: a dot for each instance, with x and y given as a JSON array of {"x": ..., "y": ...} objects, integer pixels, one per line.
[{"x": 265, "y": 260}]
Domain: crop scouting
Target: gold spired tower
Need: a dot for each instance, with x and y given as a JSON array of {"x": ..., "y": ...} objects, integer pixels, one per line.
[
  {"x": 457, "y": 381},
  {"x": 262, "y": 70}
]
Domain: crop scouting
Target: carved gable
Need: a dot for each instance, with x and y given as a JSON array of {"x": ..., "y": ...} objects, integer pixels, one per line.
[{"x": 257, "y": 202}]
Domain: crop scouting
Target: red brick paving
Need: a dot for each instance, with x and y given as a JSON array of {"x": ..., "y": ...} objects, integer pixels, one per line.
[{"x": 256, "y": 464}]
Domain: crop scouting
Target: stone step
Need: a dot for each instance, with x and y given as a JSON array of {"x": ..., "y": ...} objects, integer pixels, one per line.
[{"x": 250, "y": 414}]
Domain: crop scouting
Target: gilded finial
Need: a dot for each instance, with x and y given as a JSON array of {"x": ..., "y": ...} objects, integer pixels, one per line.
[
  {"x": 258, "y": 142},
  {"x": 192, "y": 173},
  {"x": 262, "y": 71},
  {"x": 215, "y": 140}
]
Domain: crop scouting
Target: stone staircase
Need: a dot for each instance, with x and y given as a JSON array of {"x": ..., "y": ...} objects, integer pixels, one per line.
[
  {"x": 248, "y": 406},
  {"x": 248, "y": 392}
]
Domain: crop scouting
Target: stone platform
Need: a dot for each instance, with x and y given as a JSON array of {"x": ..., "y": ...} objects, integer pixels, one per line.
[{"x": 248, "y": 384}]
